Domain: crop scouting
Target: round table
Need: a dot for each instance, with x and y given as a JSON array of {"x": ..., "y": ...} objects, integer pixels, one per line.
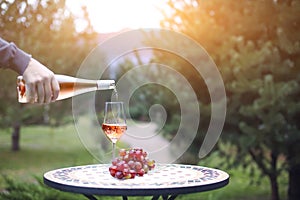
[{"x": 166, "y": 180}]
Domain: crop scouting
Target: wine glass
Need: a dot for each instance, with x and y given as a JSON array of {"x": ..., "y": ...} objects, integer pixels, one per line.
[{"x": 114, "y": 123}]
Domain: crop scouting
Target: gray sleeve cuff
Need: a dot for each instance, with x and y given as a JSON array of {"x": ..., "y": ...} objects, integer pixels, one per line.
[
  {"x": 20, "y": 61},
  {"x": 12, "y": 57}
]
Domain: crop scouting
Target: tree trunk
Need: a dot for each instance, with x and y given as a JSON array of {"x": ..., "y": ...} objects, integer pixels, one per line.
[
  {"x": 273, "y": 176},
  {"x": 294, "y": 169},
  {"x": 272, "y": 173},
  {"x": 294, "y": 183},
  {"x": 15, "y": 137},
  {"x": 274, "y": 187}
]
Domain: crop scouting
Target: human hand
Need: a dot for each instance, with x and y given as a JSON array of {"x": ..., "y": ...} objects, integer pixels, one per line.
[{"x": 41, "y": 85}]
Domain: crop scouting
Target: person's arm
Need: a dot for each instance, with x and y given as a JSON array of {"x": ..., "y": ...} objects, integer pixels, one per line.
[
  {"x": 12, "y": 57},
  {"x": 40, "y": 81}
]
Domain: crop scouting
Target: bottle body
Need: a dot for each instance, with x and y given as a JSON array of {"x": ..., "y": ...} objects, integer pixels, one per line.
[{"x": 69, "y": 86}]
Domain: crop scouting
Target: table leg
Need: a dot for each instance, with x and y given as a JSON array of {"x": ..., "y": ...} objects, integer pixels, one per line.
[
  {"x": 165, "y": 197},
  {"x": 172, "y": 197},
  {"x": 90, "y": 197}
]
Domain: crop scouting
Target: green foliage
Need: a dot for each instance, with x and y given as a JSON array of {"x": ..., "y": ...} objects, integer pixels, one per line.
[
  {"x": 18, "y": 190},
  {"x": 256, "y": 45},
  {"x": 46, "y": 30}
]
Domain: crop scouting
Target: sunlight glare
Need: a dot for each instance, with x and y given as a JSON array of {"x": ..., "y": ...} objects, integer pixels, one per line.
[{"x": 115, "y": 15}]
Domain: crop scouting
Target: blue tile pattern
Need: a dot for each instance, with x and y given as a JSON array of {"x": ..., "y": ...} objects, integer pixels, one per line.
[{"x": 163, "y": 176}]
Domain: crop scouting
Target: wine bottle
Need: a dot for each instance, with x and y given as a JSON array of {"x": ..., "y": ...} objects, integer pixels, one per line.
[{"x": 69, "y": 86}]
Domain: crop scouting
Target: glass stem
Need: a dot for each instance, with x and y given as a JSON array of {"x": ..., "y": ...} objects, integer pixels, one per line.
[{"x": 113, "y": 150}]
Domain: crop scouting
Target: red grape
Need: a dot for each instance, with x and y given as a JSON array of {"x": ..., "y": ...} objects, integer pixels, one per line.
[
  {"x": 131, "y": 162},
  {"x": 141, "y": 172},
  {"x": 119, "y": 175},
  {"x": 113, "y": 170}
]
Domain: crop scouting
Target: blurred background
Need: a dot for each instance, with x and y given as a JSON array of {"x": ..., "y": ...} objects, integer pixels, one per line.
[{"x": 255, "y": 44}]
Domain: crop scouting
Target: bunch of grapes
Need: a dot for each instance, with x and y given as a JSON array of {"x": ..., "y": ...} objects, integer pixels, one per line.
[{"x": 131, "y": 163}]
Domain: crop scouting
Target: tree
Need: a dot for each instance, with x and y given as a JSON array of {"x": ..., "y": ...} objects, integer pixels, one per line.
[
  {"x": 256, "y": 46},
  {"x": 264, "y": 110},
  {"x": 46, "y": 30}
]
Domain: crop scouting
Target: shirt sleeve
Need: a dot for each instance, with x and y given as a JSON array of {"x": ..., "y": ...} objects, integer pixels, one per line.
[{"x": 12, "y": 57}]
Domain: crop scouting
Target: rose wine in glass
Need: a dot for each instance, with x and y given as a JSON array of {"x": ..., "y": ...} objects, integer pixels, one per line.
[{"x": 114, "y": 123}]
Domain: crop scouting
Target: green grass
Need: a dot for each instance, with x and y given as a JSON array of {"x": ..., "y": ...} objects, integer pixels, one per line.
[
  {"x": 42, "y": 149},
  {"x": 45, "y": 148}
]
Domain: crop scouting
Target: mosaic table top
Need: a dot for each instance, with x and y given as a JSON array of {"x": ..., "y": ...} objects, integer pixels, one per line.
[{"x": 174, "y": 178}]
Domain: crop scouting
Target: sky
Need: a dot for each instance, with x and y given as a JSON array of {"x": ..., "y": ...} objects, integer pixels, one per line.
[{"x": 114, "y": 15}]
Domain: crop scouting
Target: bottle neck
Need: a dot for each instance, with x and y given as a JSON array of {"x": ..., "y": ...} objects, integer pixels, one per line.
[
  {"x": 106, "y": 84},
  {"x": 100, "y": 84}
]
